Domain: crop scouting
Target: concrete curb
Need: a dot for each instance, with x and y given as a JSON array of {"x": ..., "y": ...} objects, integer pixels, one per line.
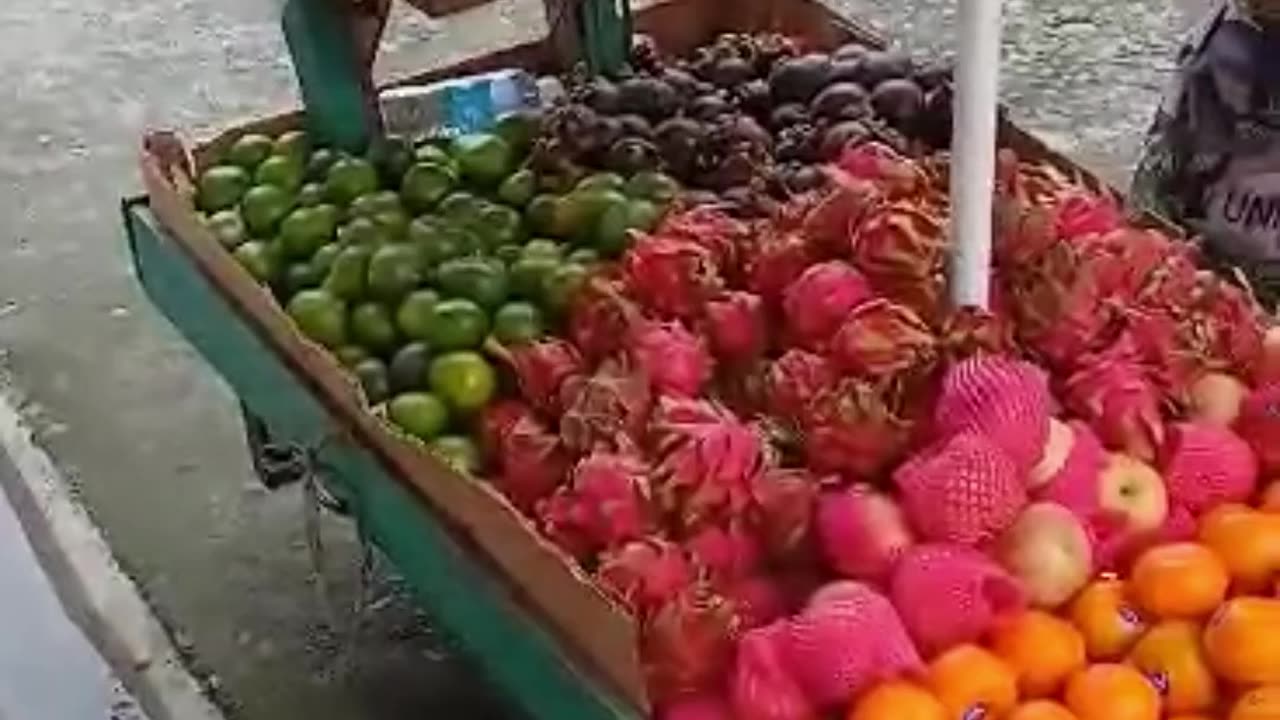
[{"x": 96, "y": 594}]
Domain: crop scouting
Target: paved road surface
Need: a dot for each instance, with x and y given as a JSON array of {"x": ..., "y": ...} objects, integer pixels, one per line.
[{"x": 151, "y": 438}]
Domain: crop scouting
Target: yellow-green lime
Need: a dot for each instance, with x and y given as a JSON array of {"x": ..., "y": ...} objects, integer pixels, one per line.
[
  {"x": 349, "y": 272},
  {"x": 518, "y": 323},
  {"x": 529, "y": 274},
  {"x": 281, "y": 171},
  {"x": 518, "y": 189},
  {"x": 482, "y": 159},
  {"x": 228, "y": 227},
  {"x": 261, "y": 259},
  {"x": 221, "y": 187},
  {"x": 294, "y": 145},
  {"x": 420, "y": 414},
  {"x": 373, "y": 328},
  {"x": 601, "y": 181},
  {"x": 263, "y": 207},
  {"x": 349, "y": 178},
  {"x": 394, "y": 271},
  {"x": 320, "y": 316},
  {"x": 248, "y": 151},
  {"x": 361, "y": 231},
  {"x": 305, "y": 230},
  {"x": 543, "y": 247},
  {"x": 482, "y": 280},
  {"x": 310, "y": 195},
  {"x": 426, "y": 184},
  {"x": 560, "y": 287},
  {"x": 415, "y": 314},
  {"x": 351, "y": 355},
  {"x": 464, "y": 380},
  {"x": 653, "y": 186},
  {"x": 456, "y": 324},
  {"x": 372, "y": 204}
]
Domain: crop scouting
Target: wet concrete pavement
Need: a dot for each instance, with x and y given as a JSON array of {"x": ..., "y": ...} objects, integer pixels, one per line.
[{"x": 149, "y": 436}]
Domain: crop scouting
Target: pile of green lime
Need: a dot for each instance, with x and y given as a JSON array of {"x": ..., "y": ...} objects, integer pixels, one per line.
[{"x": 404, "y": 261}]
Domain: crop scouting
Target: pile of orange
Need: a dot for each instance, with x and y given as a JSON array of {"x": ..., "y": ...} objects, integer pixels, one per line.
[{"x": 1193, "y": 633}]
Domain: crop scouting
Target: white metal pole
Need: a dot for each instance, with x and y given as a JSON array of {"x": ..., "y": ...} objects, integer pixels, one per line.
[{"x": 973, "y": 147}]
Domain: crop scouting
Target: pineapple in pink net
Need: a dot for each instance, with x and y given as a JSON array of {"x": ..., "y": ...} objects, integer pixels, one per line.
[
  {"x": 761, "y": 686},
  {"x": 862, "y": 533},
  {"x": 1206, "y": 466},
  {"x": 950, "y": 594},
  {"x": 847, "y": 638},
  {"x": 964, "y": 490},
  {"x": 1005, "y": 399}
]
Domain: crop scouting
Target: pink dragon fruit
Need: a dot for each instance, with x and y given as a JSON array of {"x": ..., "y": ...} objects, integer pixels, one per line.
[
  {"x": 895, "y": 176},
  {"x": 1004, "y": 399},
  {"x": 862, "y": 533},
  {"x": 541, "y": 368},
  {"x": 675, "y": 360},
  {"x": 497, "y": 420},
  {"x": 794, "y": 381},
  {"x": 899, "y": 240},
  {"x": 880, "y": 339},
  {"x": 847, "y": 638},
  {"x": 761, "y": 685},
  {"x": 646, "y": 574},
  {"x": 1259, "y": 425},
  {"x": 687, "y": 646},
  {"x": 736, "y": 325},
  {"x": 598, "y": 319},
  {"x": 831, "y": 221},
  {"x": 1207, "y": 466},
  {"x": 970, "y": 331},
  {"x": 612, "y": 403},
  {"x": 723, "y": 555},
  {"x": 707, "y": 473},
  {"x": 673, "y": 278},
  {"x": 534, "y": 463},
  {"x": 758, "y": 600},
  {"x": 1114, "y": 394},
  {"x": 708, "y": 706},
  {"x": 965, "y": 490},
  {"x": 1082, "y": 214},
  {"x": 1234, "y": 320},
  {"x": 949, "y": 594},
  {"x": 775, "y": 261},
  {"x": 783, "y": 502},
  {"x": 817, "y": 302},
  {"x": 851, "y": 431},
  {"x": 606, "y": 504},
  {"x": 711, "y": 228}
]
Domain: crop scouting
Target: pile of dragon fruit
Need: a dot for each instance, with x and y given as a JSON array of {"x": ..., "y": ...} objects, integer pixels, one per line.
[{"x": 776, "y": 444}]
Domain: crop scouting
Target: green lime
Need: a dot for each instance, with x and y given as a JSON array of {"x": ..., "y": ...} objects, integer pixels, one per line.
[
  {"x": 458, "y": 452},
  {"x": 479, "y": 279},
  {"x": 462, "y": 207},
  {"x": 300, "y": 276},
  {"x": 392, "y": 156},
  {"x": 517, "y": 323},
  {"x": 283, "y": 172},
  {"x": 541, "y": 214},
  {"x": 374, "y": 204},
  {"x": 613, "y": 231},
  {"x": 529, "y": 275},
  {"x": 560, "y": 287},
  {"x": 433, "y": 154},
  {"x": 498, "y": 225},
  {"x": 582, "y": 210},
  {"x": 373, "y": 328},
  {"x": 361, "y": 231},
  {"x": 263, "y": 207},
  {"x": 320, "y": 316},
  {"x": 601, "y": 181},
  {"x": 322, "y": 261},
  {"x": 415, "y": 314},
  {"x": 248, "y": 151},
  {"x": 349, "y": 178},
  {"x": 222, "y": 186},
  {"x": 351, "y": 355},
  {"x": 656, "y": 187},
  {"x": 440, "y": 240},
  {"x": 482, "y": 159},
  {"x": 374, "y": 380},
  {"x": 426, "y": 184},
  {"x": 261, "y": 260},
  {"x": 519, "y": 128},
  {"x": 294, "y": 145},
  {"x": 583, "y": 256},
  {"x": 311, "y": 194},
  {"x": 509, "y": 254},
  {"x": 464, "y": 380},
  {"x": 348, "y": 274},
  {"x": 518, "y": 189},
  {"x": 409, "y": 367},
  {"x": 306, "y": 230},
  {"x": 420, "y": 414},
  {"x": 228, "y": 227},
  {"x": 456, "y": 324},
  {"x": 542, "y": 247},
  {"x": 394, "y": 271},
  {"x": 319, "y": 163},
  {"x": 392, "y": 224}
]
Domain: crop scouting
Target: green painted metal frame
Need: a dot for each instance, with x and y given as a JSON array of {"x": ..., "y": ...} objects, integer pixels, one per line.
[{"x": 470, "y": 603}]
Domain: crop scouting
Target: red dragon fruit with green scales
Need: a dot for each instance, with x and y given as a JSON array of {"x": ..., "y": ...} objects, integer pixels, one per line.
[
  {"x": 758, "y": 600},
  {"x": 1082, "y": 214},
  {"x": 1006, "y": 400},
  {"x": 818, "y": 301},
  {"x": 705, "y": 474},
  {"x": 497, "y": 420},
  {"x": 853, "y": 431},
  {"x": 607, "y": 503},
  {"x": 832, "y": 220},
  {"x": 646, "y": 574},
  {"x": 735, "y": 323},
  {"x": 676, "y": 361},
  {"x": 687, "y": 646},
  {"x": 964, "y": 490},
  {"x": 671, "y": 277},
  {"x": 724, "y": 554},
  {"x": 880, "y": 339},
  {"x": 711, "y": 228},
  {"x": 761, "y": 686},
  {"x": 899, "y": 240},
  {"x": 597, "y": 319},
  {"x": 541, "y": 369},
  {"x": 772, "y": 261},
  {"x": 1113, "y": 392},
  {"x": 794, "y": 381},
  {"x": 610, "y": 406},
  {"x": 894, "y": 175},
  {"x": 534, "y": 463},
  {"x": 1234, "y": 324}
]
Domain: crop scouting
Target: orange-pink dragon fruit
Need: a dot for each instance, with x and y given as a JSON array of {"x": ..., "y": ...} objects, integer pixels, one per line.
[
  {"x": 761, "y": 686},
  {"x": 646, "y": 574},
  {"x": 831, "y": 222},
  {"x": 671, "y": 277},
  {"x": 971, "y": 331},
  {"x": 1006, "y": 400},
  {"x": 880, "y": 339},
  {"x": 541, "y": 369},
  {"x": 782, "y": 509},
  {"x": 598, "y": 319},
  {"x": 687, "y": 646},
  {"x": 818, "y": 301},
  {"x": 895, "y": 176},
  {"x": 794, "y": 381},
  {"x": 1083, "y": 214},
  {"x": 533, "y": 462},
  {"x": 862, "y": 533},
  {"x": 610, "y": 405},
  {"x": 675, "y": 360},
  {"x": 1259, "y": 425},
  {"x": 773, "y": 260},
  {"x": 1207, "y": 465},
  {"x": 853, "y": 432},
  {"x": 963, "y": 490},
  {"x": 607, "y": 503},
  {"x": 706, "y": 472},
  {"x": 950, "y": 594},
  {"x": 847, "y": 638},
  {"x": 735, "y": 323},
  {"x": 899, "y": 240},
  {"x": 712, "y": 229},
  {"x": 1114, "y": 393}
]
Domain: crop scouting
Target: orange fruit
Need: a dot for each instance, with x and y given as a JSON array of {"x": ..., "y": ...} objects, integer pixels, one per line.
[
  {"x": 1109, "y": 623},
  {"x": 1258, "y": 704},
  {"x": 1172, "y": 659},
  {"x": 1242, "y": 641},
  {"x": 1044, "y": 650},
  {"x": 1191, "y": 717},
  {"x": 1248, "y": 543},
  {"x": 898, "y": 700},
  {"x": 969, "y": 679},
  {"x": 1041, "y": 710},
  {"x": 1270, "y": 500},
  {"x": 1112, "y": 692},
  {"x": 1179, "y": 581}
]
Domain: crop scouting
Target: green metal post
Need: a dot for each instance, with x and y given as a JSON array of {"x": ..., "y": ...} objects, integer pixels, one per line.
[
  {"x": 606, "y": 29},
  {"x": 334, "y": 83}
]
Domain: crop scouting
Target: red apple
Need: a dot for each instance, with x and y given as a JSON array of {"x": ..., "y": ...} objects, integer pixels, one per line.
[
  {"x": 1048, "y": 549},
  {"x": 1216, "y": 399},
  {"x": 1134, "y": 492}
]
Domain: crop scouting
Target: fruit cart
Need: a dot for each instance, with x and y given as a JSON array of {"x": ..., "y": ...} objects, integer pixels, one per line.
[{"x": 540, "y": 631}]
